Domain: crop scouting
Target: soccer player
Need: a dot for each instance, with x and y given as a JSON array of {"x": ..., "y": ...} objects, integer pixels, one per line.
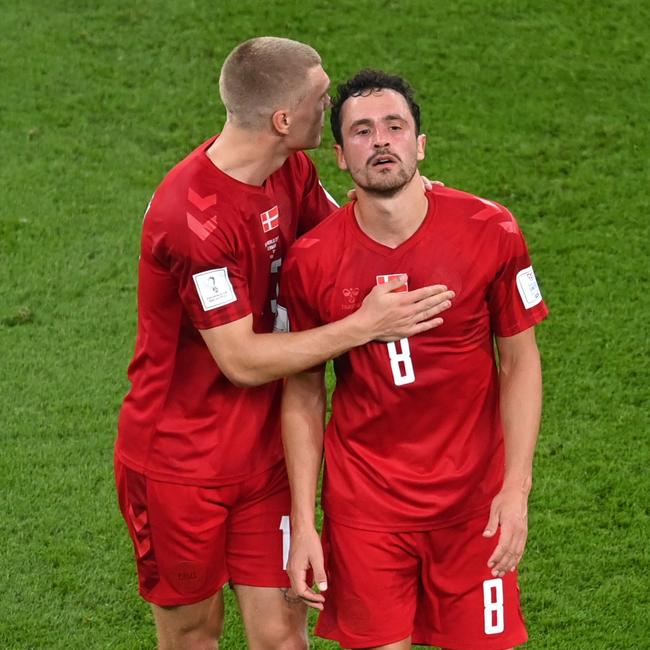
[
  {"x": 428, "y": 452},
  {"x": 198, "y": 458}
]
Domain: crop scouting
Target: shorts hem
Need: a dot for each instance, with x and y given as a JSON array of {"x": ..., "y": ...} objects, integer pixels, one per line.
[
  {"x": 352, "y": 643},
  {"x": 191, "y": 599},
  {"x": 279, "y": 583},
  {"x": 484, "y": 644}
]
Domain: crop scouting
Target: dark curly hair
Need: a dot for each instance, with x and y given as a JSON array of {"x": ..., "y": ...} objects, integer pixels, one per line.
[{"x": 363, "y": 83}]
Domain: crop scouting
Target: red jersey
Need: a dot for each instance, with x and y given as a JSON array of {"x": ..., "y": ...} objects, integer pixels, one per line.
[
  {"x": 415, "y": 439},
  {"x": 211, "y": 253}
]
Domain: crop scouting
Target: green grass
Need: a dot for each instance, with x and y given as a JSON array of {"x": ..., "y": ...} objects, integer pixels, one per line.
[{"x": 542, "y": 106}]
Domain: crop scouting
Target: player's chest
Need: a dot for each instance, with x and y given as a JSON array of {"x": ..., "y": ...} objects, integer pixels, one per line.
[{"x": 432, "y": 262}]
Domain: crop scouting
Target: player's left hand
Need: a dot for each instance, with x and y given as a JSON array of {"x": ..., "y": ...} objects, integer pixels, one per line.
[
  {"x": 509, "y": 512},
  {"x": 426, "y": 183}
]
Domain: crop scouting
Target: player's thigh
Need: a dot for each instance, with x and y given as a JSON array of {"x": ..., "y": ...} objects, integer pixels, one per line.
[
  {"x": 257, "y": 550},
  {"x": 179, "y": 538},
  {"x": 461, "y": 605},
  {"x": 274, "y": 619},
  {"x": 372, "y": 587},
  {"x": 194, "y": 627}
]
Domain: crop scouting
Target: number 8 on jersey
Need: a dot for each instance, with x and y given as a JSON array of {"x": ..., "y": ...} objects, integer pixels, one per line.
[{"x": 401, "y": 364}]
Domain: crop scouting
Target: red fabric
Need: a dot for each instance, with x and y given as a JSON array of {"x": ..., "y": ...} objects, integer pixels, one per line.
[
  {"x": 182, "y": 420},
  {"x": 190, "y": 540},
  {"x": 428, "y": 585},
  {"x": 415, "y": 452}
]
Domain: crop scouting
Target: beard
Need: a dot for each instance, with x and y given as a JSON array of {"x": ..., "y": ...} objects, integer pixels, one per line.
[{"x": 374, "y": 182}]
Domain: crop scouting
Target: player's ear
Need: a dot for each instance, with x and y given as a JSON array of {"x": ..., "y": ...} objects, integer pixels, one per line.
[
  {"x": 281, "y": 121},
  {"x": 421, "y": 146},
  {"x": 340, "y": 158}
]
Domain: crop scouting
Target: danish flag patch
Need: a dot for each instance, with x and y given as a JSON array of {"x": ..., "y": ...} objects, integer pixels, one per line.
[
  {"x": 270, "y": 219},
  {"x": 383, "y": 279}
]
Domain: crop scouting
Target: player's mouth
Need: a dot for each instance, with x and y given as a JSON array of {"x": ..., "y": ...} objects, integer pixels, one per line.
[{"x": 383, "y": 160}]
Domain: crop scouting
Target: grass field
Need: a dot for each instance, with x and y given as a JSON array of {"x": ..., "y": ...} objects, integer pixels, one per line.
[{"x": 542, "y": 106}]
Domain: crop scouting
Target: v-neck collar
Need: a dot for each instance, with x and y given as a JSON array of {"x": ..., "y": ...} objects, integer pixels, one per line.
[{"x": 387, "y": 251}]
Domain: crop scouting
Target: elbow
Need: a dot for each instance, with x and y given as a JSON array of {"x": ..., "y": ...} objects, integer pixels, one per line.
[
  {"x": 242, "y": 376},
  {"x": 243, "y": 380}
]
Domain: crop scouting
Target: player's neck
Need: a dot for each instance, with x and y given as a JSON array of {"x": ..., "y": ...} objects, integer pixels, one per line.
[
  {"x": 391, "y": 220},
  {"x": 248, "y": 156}
]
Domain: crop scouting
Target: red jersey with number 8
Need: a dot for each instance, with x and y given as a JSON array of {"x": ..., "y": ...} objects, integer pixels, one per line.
[
  {"x": 415, "y": 439},
  {"x": 211, "y": 253}
]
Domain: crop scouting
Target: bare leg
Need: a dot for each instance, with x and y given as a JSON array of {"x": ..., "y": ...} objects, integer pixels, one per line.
[
  {"x": 274, "y": 619},
  {"x": 190, "y": 627}
]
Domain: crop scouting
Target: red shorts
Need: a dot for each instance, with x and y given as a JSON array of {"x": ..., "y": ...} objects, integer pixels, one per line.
[
  {"x": 432, "y": 586},
  {"x": 190, "y": 540}
]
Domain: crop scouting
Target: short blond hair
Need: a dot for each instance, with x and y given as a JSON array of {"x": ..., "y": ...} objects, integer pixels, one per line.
[{"x": 263, "y": 74}]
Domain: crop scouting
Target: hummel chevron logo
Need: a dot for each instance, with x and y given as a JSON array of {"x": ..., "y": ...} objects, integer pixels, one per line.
[
  {"x": 201, "y": 230},
  {"x": 201, "y": 202},
  {"x": 507, "y": 221}
]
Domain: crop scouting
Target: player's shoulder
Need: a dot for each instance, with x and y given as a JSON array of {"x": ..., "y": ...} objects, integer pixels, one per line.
[
  {"x": 185, "y": 174},
  {"x": 322, "y": 241},
  {"x": 327, "y": 231},
  {"x": 471, "y": 208}
]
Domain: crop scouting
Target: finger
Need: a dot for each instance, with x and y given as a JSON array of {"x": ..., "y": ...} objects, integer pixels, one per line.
[
  {"x": 428, "y": 185},
  {"x": 320, "y": 577},
  {"x": 312, "y": 599},
  {"x": 506, "y": 563},
  {"x": 502, "y": 548},
  {"x": 298, "y": 579},
  {"x": 440, "y": 183},
  {"x": 427, "y": 312},
  {"x": 393, "y": 285},
  {"x": 416, "y": 295},
  {"x": 492, "y": 524},
  {"x": 504, "y": 556},
  {"x": 352, "y": 194},
  {"x": 423, "y": 326}
]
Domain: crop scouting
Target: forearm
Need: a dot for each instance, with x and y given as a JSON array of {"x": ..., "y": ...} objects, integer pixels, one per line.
[
  {"x": 251, "y": 359},
  {"x": 265, "y": 357},
  {"x": 521, "y": 405},
  {"x": 303, "y": 417}
]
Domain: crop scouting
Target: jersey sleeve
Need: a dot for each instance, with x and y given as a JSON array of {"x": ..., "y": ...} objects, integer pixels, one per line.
[
  {"x": 210, "y": 280},
  {"x": 514, "y": 298},
  {"x": 316, "y": 203}
]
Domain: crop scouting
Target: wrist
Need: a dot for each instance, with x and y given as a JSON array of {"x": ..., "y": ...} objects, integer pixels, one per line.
[
  {"x": 302, "y": 521},
  {"x": 356, "y": 331},
  {"x": 521, "y": 482}
]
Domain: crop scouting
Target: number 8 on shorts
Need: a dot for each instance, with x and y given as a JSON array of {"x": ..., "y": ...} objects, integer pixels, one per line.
[{"x": 493, "y": 606}]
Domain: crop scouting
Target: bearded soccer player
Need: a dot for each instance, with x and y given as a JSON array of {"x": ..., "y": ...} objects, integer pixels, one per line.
[
  {"x": 198, "y": 458},
  {"x": 429, "y": 449}
]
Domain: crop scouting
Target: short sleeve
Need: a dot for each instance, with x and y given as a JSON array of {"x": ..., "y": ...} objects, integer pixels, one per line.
[
  {"x": 514, "y": 298},
  {"x": 211, "y": 282}
]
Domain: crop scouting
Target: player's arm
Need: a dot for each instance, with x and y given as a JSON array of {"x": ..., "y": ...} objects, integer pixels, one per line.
[
  {"x": 520, "y": 386},
  {"x": 251, "y": 359},
  {"x": 303, "y": 418}
]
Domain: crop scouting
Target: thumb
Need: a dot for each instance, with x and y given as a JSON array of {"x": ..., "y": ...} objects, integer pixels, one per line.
[{"x": 492, "y": 524}]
